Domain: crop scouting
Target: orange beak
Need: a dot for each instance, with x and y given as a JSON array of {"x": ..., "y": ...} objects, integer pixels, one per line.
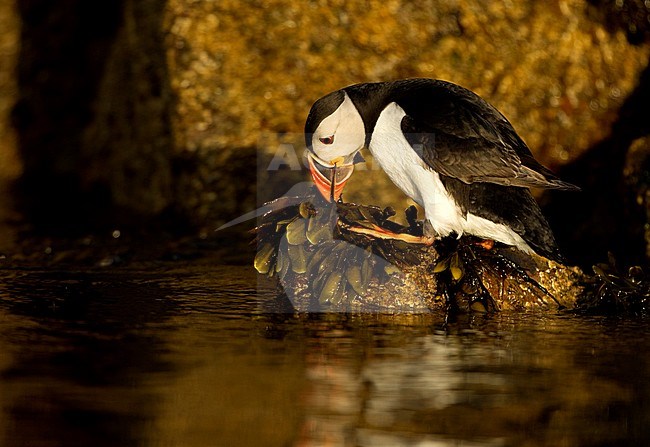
[{"x": 329, "y": 181}]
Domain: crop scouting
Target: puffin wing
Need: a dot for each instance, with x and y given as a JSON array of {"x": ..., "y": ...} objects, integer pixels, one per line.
[{"x": 461, "y": 136}]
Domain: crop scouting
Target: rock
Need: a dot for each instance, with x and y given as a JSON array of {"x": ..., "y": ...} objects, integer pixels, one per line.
[
  {"x": 10, "y": 166},
  {"x": 637, "y": 181},
  {"x": 163, "y": 107},
  {"x": 321, "y": 265},
  {"x": 629, "y": 16}
]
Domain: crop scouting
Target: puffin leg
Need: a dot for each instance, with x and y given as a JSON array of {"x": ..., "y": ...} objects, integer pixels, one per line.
[{"x": 382, "y": 233}]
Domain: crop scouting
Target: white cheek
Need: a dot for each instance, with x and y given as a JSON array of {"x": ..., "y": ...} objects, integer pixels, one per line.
[
  {"x": 324, "y": 151},
  {"x": 348, "y": 129}
]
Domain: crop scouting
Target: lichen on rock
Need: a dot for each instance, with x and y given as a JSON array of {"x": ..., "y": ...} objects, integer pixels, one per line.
[{"x": 245, "y": 74}]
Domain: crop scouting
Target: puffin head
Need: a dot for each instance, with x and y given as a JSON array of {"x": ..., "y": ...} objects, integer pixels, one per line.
[{"x": 334, "y": 135}]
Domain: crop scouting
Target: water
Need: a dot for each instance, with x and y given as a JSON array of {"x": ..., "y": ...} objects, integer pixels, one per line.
[{"x": 189, "y": 357}]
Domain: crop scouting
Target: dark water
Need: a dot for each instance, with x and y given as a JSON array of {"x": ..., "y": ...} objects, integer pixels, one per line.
[{"x": 189, "y": 357}]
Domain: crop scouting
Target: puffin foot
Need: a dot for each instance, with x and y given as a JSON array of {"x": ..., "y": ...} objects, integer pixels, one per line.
[
  {"x": 488, "y": 244},
  {"x": 382, "y": 233}
]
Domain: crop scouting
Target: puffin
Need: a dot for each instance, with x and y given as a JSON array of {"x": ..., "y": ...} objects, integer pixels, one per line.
[{"x": 446, "y": 148}]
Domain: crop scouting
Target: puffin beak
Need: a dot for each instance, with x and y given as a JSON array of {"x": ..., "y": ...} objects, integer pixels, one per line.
[{"x": 330, "y": 181}]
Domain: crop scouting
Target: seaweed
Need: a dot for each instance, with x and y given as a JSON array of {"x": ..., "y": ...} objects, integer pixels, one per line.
[{"x": 615, "y": 290}]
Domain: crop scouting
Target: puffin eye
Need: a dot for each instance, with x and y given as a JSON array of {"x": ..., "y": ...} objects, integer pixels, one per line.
[{"x": 327, "y": 140}]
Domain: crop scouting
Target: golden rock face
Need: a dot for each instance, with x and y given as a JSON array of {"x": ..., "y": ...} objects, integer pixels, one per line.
[
  {"x": 243, "y": 69},
  {"x": 192, "y": 93},
  {"x": 245, "y": 73}
]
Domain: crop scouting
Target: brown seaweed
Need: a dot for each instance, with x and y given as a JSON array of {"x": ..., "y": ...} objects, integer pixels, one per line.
[{"x": 616, "y": 290}]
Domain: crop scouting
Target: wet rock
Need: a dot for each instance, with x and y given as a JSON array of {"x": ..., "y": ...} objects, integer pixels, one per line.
[{"x": 322, "y": 264}]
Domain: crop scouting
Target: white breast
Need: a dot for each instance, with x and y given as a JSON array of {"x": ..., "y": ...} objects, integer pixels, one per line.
[{"x": 408, "y": 171}]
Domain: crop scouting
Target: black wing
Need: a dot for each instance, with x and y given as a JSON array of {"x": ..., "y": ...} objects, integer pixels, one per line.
[
  {"x": 460, "y": 135},
  {"x": 514, "y": 207}
]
